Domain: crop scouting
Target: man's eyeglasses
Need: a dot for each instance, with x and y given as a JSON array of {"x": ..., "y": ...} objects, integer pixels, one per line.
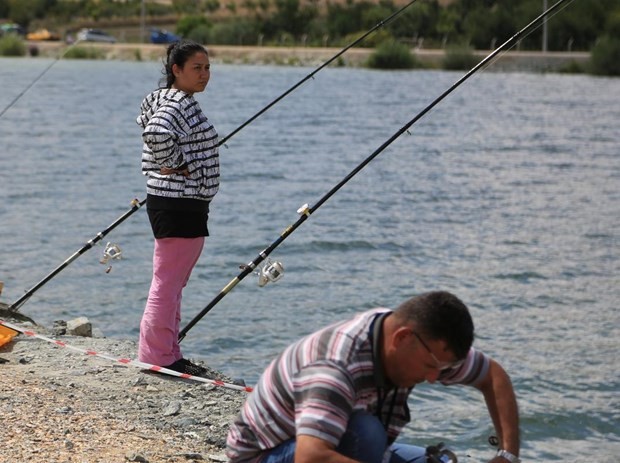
[{"x": 440, "y": 365}]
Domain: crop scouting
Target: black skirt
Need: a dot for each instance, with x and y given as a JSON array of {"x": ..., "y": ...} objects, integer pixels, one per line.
[{"x": 177, "y": 217}]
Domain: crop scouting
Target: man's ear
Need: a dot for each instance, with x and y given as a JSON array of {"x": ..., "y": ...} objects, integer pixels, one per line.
[{"x": 401, "y": 335}]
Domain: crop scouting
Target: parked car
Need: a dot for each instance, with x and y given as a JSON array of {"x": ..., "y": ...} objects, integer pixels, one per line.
[
  {"x": 95, "y": 35},
  {"x": 11, "y": 28},
  {"x": 163, "y": 36},
  {"x": 42, "y": 34}
]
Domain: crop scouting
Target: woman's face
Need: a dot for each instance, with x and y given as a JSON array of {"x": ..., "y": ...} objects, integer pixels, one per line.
[{"x": 194, "y": 75}]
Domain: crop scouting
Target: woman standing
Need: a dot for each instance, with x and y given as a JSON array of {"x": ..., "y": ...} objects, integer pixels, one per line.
[{"x": 181, "y": 162}]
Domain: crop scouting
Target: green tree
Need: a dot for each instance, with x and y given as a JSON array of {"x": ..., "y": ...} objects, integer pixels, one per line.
[
  {"x": 5, "y": 8},
  {"x": 419, "y": 20},
  {"x": 348, "y": 18},
  {"x": 241, "y": 32},
  {"x": 446, "y": 21},
  {"x": 578, "y": 26},
  {"x": 290, "y": 18},
  {"x": 606, "y": 57},
  {"x": 612, "y": 27},
  {"x": 23, "y": 12},
  {"x": 486, "y": 25},
  {"x": 200, "y": 34},
  {"x": 186, "y": 6},
  {"x": 480, "y": 23},
  {"x": 212, "y": 5}
]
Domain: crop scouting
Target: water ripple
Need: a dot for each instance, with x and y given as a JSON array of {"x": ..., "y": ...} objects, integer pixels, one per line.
[{"x": 507, "y": 194}]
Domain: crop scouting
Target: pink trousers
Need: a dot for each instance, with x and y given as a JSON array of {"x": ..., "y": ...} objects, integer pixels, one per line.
[{"x": 173, "y": 262}]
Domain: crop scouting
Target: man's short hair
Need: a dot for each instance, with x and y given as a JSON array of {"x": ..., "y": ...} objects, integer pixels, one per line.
[{"x": 440, "y": 315}]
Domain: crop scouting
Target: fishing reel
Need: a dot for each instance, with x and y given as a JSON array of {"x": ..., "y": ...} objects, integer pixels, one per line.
[
  {"x": 270, "y": 272},
  {"x": 111, "y": 252},
  {"x": 440, "y": 454}
]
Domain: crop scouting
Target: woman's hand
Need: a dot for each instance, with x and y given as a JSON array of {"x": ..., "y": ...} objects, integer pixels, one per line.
[{"x": 168, "y": 171}]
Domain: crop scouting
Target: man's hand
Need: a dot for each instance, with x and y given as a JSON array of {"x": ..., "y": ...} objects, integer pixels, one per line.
[{"x": 506, "y": 457}]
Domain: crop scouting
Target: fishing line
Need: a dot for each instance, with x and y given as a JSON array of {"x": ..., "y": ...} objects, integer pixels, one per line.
[
  {"x": 311, "y": 75},
  {"x": 136, "y": 204},
  {"x": 38, "y": 78},
  {"x": 306, "y": 211}
]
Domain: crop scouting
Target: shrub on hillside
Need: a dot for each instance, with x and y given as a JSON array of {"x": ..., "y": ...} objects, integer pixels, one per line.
[
  {"x": 12, "y": 45},
  {"x": 605, "y": 57},
  {"x": 572, "y": 67},
  {"x": 612, "y": 26},
  {"x": 459, "y": 58},
  {"x": 186, "y": 24},
  {"x": 78, "y": 52},
  {"x": 241, "y": 32},
  {"x": 199, "y": 34},
  {"x": 392, "y": 55}
]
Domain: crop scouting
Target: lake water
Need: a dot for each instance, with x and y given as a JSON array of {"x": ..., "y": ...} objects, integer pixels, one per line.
[{"x": 507, "y": 194}]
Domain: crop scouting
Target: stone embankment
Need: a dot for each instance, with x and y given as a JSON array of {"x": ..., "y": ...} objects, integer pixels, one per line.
[{"x": 311, "y": 56}]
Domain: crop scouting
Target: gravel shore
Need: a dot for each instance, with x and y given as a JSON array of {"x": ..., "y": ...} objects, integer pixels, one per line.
[{"x": 58, "y": 405}]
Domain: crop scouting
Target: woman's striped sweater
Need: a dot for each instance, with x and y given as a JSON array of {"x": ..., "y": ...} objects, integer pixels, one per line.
[{"x": 178, "y": 135}]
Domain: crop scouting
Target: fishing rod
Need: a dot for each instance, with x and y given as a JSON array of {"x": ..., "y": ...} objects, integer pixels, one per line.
[
  {"x": 111, "y": 252},
  {"x": 306, "y": 211},
  {"x": 138, "y": 203}
]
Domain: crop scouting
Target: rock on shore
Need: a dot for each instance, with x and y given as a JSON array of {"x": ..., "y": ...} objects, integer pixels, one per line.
[{"x": 58, "y": 405}]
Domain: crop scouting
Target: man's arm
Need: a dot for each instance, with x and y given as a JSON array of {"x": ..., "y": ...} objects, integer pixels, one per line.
[
  {"x": 502, "y": 405},
  {"x": 310, "y": 449}
]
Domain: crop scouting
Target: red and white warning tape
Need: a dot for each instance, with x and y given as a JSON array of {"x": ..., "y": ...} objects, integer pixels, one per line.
[{"x": 126, "y": 361}]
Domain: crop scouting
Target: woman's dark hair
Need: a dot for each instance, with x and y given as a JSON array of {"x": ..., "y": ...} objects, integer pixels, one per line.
[
  {"x": 440, "y": 315},
  {"x": 178, "y": 53}
]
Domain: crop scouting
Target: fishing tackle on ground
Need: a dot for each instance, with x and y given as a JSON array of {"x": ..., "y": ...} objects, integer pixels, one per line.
[
  {"x": 139, "y": 203},
  {"x": 439, "y": 454},
  {"x": 306, "y": 211}
]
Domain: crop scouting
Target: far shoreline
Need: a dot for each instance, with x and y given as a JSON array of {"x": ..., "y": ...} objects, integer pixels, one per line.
[{"x": 510, "y": 61}]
